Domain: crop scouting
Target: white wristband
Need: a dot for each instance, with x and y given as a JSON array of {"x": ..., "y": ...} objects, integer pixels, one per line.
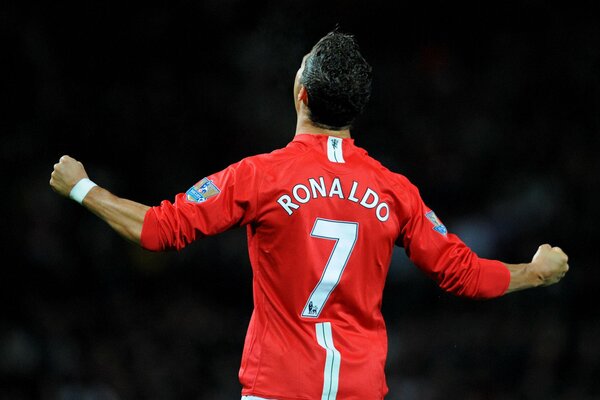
[{"x": 81, "y": 189}]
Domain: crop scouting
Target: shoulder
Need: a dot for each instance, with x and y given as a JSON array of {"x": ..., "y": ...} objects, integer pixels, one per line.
[
  {"x": 394, "y": 178},
  {"x": 264, "y": 162}
]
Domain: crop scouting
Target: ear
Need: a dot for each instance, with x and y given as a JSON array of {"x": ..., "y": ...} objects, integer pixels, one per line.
[{"x": 303, "y": 95}]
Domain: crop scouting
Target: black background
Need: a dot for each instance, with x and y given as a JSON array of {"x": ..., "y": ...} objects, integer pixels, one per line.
[{"x": 493, "y": 111}]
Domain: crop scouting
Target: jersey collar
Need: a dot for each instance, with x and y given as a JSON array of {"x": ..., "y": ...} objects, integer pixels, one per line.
[{"x": 310, "y": 138}]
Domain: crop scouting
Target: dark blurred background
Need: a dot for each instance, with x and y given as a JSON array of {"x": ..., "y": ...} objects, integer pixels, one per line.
[{"x": 493, "y": 111}]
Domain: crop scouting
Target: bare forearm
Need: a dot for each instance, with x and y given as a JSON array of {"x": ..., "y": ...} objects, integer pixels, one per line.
[
  {"x": 126, "y": 217},
  {"x": 69, "y": 179},
  {"x": 521, "y": 277}
]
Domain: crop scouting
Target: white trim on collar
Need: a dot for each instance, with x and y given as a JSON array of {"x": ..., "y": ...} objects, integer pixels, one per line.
[{"x": 335, "y": 152}]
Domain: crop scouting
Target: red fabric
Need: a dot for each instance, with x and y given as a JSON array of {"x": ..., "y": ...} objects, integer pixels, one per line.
[{"x": 281, "y": 357}]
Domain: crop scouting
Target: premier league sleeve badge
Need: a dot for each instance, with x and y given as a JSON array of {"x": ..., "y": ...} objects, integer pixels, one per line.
[
  {"x": 202, "y": 191},
  {"x": 437, "y": 224}
]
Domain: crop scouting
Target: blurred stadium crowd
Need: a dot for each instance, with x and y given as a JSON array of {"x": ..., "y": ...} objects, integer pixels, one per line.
[{"x": 493, "y": 113}]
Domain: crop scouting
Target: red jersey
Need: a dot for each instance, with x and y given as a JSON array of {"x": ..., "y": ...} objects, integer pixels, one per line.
[{"x": 322, "y": 218}]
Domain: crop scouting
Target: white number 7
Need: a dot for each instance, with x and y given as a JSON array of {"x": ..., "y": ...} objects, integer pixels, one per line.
[{"x": 345, "y": 235}]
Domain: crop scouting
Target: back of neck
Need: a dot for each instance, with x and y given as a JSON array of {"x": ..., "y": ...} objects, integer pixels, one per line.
[{"x": 305, "y": 126}]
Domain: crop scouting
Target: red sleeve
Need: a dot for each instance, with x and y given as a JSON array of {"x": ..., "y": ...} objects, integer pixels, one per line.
[
  {"x": 214, "y": 204},
  {"x": 446, "y": 259}
]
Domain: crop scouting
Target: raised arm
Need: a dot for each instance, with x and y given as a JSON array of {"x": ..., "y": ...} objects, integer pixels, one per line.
[
  {"x": 458, "y": 270},
  {"x": 126, "y": 217}
]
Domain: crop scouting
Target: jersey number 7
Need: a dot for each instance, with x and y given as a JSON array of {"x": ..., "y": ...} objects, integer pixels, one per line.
[{"x": 345, "y": 235}]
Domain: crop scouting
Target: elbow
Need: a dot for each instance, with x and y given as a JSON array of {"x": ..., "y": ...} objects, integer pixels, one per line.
[
  {"x": 460, "y": 285},
  {"x": 155, "y": 240}
]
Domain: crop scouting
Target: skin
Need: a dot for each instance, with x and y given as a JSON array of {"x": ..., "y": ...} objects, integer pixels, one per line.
[
  {"x": 548, "y": 265},
  {"x": 126, "y": 217}
]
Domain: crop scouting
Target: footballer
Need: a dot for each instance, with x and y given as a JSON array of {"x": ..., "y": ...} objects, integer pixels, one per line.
[{"x": 322, "y": 219}]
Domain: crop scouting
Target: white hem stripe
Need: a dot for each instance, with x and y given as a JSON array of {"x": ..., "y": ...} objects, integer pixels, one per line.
[{"x": 332, "y": 361}]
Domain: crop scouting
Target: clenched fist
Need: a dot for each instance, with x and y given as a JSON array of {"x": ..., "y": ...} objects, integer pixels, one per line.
[
  {"x": 549, "y": 264},
  {"x": 67, "y": 172}
]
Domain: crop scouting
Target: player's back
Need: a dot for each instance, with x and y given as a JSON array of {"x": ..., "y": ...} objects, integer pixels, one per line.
[
  {"x": 320, "y": 244},
  {"x": 322, "y": 219}
]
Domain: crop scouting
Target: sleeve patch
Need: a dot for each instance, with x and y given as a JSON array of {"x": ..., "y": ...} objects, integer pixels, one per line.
[
  {"x": 202, "y": 191},
  {"x": 437, "y": 224}
]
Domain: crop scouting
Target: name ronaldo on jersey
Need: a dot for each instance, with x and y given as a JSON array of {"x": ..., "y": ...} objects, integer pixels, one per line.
[{"x": 302, "y": 193}]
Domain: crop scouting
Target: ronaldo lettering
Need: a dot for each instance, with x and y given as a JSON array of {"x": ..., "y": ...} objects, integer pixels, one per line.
[{"x": 302, "y": 193}]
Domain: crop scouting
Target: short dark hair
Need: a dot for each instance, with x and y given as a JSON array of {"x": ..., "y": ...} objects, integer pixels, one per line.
[{"x": 337, "y": 79}]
